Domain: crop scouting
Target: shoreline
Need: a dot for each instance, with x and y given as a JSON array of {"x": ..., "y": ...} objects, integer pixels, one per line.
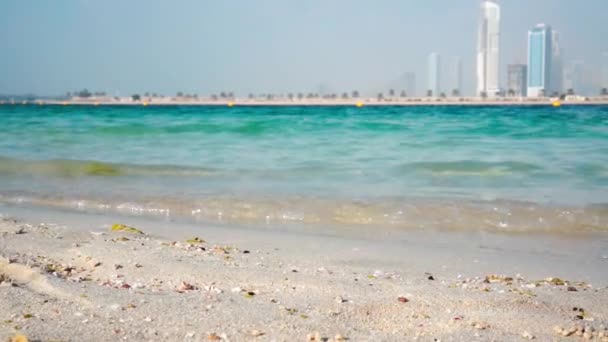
[
  {"x": 414, "y": 102},
  {"x": 68, "y": 275}
]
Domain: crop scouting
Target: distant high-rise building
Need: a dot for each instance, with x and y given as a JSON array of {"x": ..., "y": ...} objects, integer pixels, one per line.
[
  {"x": 434, "y": 74},
  {"x": 557, "y": 69},
  {"x": 517, "y": 80},
  {"x": 605, "y": 69},
  {"x": 408, "y": 81},
  {"x": 540, "y": 55},
  {"x": 488, "y": 49},
  {"x": 574, "y": 77},
  {"x": 454, "y": 81}
]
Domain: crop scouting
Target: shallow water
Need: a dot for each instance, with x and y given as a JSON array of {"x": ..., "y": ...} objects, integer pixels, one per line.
[{"x": 496, "y": 168}]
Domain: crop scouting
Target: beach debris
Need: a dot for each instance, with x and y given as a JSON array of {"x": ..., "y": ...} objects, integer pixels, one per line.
[
  {"x": 148, "y": 319},
  {"x": 493, "y": 278},
  {"x": 480, "y": 325},
  {"x": 290, "y": 311},
  {"x": 28, "y": 315},
  {"x": 340, "y": 300},
  {"x": 249, "y": 294},
  {"x": 195, "y": 241},
  {"x": 20, "y": 231},
  {"x": 213, "y": 337},
  {"x": 579, "y": 313},
  {"x": 527, "y": 335},
  {"x": 402, "y": 299},
  {"x": 572, "y": 289},
  {"x": 417, "y": 315},
  {"x": 4, "y": 278},
  {"x": 120, "y": 239},
  {"x": 568, "y": 332},
  {"x": 555, "y": 281},
  {"x": 524, "y": 292},
  {"x": 246, "y": 252},
  {"x": 314, "y": 337},
  {"x": 256, "y": 333},
  {"x": 19, "y": 338},
  {"x": 184, "y": 286},
  {"x": 118, "y": 227},
  {"x": 339, "y": 338},
  {"x": 429, "y": 276}
]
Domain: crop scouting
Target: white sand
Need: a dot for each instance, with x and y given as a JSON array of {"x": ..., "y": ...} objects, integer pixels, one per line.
[{"x": 301, "y": 282}]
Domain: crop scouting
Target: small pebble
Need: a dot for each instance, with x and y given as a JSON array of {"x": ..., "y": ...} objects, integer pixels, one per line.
[
  {"x": 528, "y": 336},
  {"x": 339, "y": 337},
  {"x": 403, "y": 299},
  {"x": 480, "y": 325},
  {"x": 313, "y": 337},
  {"x": 256, "y": 333}
]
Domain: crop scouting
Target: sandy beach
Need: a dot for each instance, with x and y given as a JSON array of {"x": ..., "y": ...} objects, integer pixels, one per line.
[{"x": 74, "y": 276}]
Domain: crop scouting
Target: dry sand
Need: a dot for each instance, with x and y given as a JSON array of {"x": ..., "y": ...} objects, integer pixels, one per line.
[{"x": 76, "y": 280}]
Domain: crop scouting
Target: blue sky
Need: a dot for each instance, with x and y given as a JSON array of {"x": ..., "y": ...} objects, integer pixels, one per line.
[{"x": 204, "y": 46}]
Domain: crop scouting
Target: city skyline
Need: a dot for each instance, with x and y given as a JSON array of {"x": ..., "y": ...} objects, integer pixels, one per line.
[{"x": 86, "y": 44}]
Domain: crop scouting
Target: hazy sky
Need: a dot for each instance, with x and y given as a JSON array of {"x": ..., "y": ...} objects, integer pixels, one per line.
[{"x": 204, "y": 46}]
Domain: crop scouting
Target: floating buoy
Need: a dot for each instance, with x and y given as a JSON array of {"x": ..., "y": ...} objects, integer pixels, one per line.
[
  {"x": 359, "y": 104},
  {"x": 144, "y": 103},
  {"x": 557, "y": 104},
  {"x": 230, "y": 104}
]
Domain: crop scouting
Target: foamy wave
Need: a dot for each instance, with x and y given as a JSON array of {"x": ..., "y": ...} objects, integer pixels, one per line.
[{"x": 494, "y": 216}]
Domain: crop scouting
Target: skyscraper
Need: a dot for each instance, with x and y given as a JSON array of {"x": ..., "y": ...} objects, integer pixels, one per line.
[
  {"x": 557, "y": 69},
  {"x": 517, "y": 80},
  {"x": 408, "y": 83},
  {"x": 488, "y": 49},
  {"x": 434, "y": 74},
  {"x": 540, "y": 55},
  {"x": 605, "y": 69},
  {"x": 454, "y": 82}
]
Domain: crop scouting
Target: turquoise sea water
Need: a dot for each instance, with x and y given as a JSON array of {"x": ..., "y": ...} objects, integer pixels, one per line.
[{"x": 504, "y": 168}]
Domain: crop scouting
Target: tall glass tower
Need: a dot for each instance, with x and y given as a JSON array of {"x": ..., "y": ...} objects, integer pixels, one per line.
[
  {"x": 434, "y": 74},
  {"x": 540, "y": 53},
  {"x": 557, "y": 69},
  {"x": 488, "y": 49}
]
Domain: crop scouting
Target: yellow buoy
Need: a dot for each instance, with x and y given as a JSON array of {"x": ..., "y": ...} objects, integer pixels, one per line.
[
  {"x": 144, "y": 103},
  {"x": 359, "y": 104},
  {"x": 557, "y": 104},
  {"x": 230, "y": 104},
  {"x": 65, "y": 103}
]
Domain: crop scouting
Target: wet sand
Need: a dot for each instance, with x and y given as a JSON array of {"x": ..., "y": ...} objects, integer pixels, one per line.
[{"x": 67, "y": 276}]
